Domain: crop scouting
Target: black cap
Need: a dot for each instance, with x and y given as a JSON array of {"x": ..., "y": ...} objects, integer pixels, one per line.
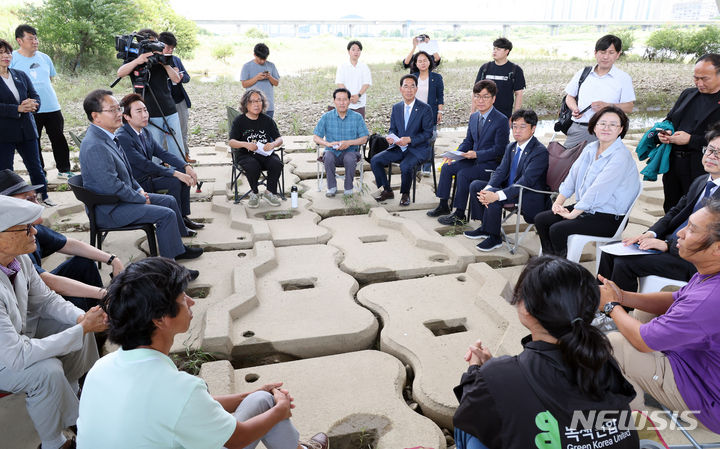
[{"x": 12, "y": 184}]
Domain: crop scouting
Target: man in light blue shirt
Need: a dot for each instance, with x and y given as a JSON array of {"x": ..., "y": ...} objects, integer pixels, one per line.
[
  {"x": 262, "y": 74},
  {"x": 39, "y": 67},
  {"x": 340, "y": 131}
]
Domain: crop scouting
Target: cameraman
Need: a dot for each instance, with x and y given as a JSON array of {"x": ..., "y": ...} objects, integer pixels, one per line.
[{"x": 158, "y": 85}]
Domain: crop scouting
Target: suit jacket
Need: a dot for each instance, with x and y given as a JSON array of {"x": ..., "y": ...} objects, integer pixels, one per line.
[
  {"x": 681, "y": 211},
  {"x": 143, "y": 167},
  {"x": 436, "y": 92},
  {"x": 531, "y": 172},
  {"x": 106, "y": 170},
  {"x": 16, "y": 126},
  {"x": 185, "y": 79},
  {"x": 706, "y": 118},
  {"x": 22, "y": 305},
  {"x": 419, "y": 128},
  {"x": 489, "y": 144}
]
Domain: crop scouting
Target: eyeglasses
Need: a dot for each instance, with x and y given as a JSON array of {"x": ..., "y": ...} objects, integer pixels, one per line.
[
  {"x": 409, "y": 86},
  {"x": 711, "y": 151},
  {"x": 482, "y": 97},
  {"x": 27, "y": 229},
  {"x": 116, "y": 110},
  {"x": 607, "y": 125},
  {"x": 255, "y": 101}
]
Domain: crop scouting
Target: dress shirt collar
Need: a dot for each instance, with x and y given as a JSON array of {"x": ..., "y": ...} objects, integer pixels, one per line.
[
  {"x": 412, "y": 105},
  {"x": 109, "y": 134},
  {"x": 487, "y": 114},
  {"x": 12, "y": 269}
]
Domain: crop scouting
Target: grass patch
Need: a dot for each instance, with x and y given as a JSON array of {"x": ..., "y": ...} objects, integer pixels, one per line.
[{"x": 191, "y": 360}]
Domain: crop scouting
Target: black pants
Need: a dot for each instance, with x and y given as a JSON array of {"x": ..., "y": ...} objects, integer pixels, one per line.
[
  {"x": 554, "y": 230},
  {"x": 253, "y": 164},
  {"x": 685, "y": 166},
  {"x": 54, "y": 123},
  {"x": 82, "y": 270},
  {"x": 625, "y": 270}
]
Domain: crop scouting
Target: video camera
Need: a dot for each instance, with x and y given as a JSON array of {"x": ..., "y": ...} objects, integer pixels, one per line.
[{"x": 128, "y": 49}]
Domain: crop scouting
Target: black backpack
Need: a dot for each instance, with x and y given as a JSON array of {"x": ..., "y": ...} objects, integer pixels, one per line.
[
  {"x": 376, "y": 144},
  {"x": 565, "y": 115}
]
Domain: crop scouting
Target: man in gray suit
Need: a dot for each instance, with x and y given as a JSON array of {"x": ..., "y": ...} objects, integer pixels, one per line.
[
  {"x": 46, "y": 343},
  {"x": 106, "y": 170}
]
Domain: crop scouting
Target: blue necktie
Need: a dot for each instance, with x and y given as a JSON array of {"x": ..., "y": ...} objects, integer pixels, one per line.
[
  {"x": 143, "y": 142},
  {"x": 481, "y": 123},
  {"x": 708, "y": 188},
  {"x": 407, "y": 115},
  {"x": 514, "y": 165}
]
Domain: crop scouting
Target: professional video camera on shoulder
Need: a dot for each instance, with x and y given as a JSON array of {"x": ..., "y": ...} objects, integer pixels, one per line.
[{"x": 128, "y": 49}]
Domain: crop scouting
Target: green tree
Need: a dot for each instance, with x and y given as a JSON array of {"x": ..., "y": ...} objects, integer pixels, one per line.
[
  {"x": 667, "y": 43},
  {"x": 223, "y": 51},
  {"x": 703, "y": 41},
  {"x": 159, "y": 16},
  {"x": 80, "y": 33}
]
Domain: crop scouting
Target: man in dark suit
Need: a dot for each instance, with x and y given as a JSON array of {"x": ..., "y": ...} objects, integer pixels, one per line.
[
  {"x": 694, "y": 112},
  {"x": 140, "y": 149},
  {"x": 413, "y": 120},
  {"x": 487, "y": 136},
  {"x": 106, "y": 170},
  {"x": 662, "y": 236},
  {"x": 525, "y": 162}
]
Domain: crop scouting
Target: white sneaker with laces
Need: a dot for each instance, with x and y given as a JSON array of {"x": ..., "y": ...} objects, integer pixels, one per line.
[
  {"x": 271, "y": 198},
  {"x": 254, "y": 200}
]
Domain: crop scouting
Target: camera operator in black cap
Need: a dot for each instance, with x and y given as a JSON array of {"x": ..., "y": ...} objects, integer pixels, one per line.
[{"x": 164, "y": 120}]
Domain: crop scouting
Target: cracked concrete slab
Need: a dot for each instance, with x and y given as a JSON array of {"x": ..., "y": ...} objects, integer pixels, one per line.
[
  {"x": 286, "y": 301},
  {"x": 358, "y": 393},
  {"x": 429, "y": 323},
  {"x": 383, "y": 246}
]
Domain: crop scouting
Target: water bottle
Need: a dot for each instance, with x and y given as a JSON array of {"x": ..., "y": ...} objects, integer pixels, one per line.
[{"x": 294, "y": 197}]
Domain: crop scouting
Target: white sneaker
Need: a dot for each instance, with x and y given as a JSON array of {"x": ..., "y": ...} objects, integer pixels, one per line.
[
  {"x": 331, "y": 192},
  {"x": 271, "y": 198},
  {"x": 254, "y": 200},
  {"x": 348, "y": 192},
  {"x": 47, "y": 202}
]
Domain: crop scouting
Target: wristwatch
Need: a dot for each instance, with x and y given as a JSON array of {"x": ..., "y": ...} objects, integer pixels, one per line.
[{"x": 607, "y": 310}]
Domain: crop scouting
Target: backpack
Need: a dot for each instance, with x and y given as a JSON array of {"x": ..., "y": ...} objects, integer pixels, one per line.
[
  {"x": 565, "y": 115},
  {"x": 482, "y": 73},
  {"x": 376, "y": 144}
]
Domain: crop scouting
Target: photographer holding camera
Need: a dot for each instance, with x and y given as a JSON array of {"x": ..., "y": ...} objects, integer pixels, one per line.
[
  {"x": 422, "y": 42},
  {"x": 150, "y": 70}
]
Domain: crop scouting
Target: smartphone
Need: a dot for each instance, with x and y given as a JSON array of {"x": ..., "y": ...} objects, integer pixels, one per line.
[
  {"x": 662, "y": 131},
  {"x": 421, "y": 38}
]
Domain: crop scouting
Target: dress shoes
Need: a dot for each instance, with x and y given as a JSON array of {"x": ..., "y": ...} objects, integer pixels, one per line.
[
  {"x": 405, "y": 199},
  {"x": 191, "y": 233},
  {"x": 385, "y": 195},
  {"x": 190, "y": 253},
  {"x": 192, "y": 224},
  {"x": 441, "y": 210},
  {"x": 193, "y": 274},
  {"x": 318, "y": 441},
  {"x": 452, "y": 220}
]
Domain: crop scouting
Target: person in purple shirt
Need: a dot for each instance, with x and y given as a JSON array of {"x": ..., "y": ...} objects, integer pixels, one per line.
[{"x": 670, "y": 348}]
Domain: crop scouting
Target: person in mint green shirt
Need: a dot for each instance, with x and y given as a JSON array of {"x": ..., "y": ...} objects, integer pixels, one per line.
[
  {"x": 135, "y": 397},
  {"x": 41, "y": 70}
]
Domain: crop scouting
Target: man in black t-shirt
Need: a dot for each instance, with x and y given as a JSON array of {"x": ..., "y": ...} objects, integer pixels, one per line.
[
  {"x": 694, "y": 112},
  {"x": 508, "y": 77},
  {"x": 166, "y": 131}
]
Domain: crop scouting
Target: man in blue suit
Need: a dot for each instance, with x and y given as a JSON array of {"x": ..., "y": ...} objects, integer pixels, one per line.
[
  {"x": 487, "y": 136},
  {"x": 140, "y": 149},
  {"x": 106, "y": 170},
  {"x": 526, "y": 163},
  {"x": 413, "y": 120}
]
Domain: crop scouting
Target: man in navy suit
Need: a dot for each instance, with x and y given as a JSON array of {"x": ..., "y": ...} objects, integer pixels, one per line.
[
  {"x": 662, "y": 236},
  {"x": 525, "y": 162},
  {"x": 106, "y": 170},
  {"x": 140, "y": 149},
  {"x": 413, "y": 120},
  {"x": 487, "y": 136}
]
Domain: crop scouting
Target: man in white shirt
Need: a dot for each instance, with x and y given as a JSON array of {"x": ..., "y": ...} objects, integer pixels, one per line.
[
  {"x": 604, "y": 85},
  {"x": 355, "y": 77}
]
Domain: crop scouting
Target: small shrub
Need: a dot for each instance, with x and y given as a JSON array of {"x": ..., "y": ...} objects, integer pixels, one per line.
[
  {"x": 223, "y": 52},
  {"x": 628, "y": 39},
  {"x": 254, "y": 33}
]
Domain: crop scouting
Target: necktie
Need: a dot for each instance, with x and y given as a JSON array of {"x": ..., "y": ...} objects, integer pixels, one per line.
[
  {"x": 143, "y": 142},
  {"x": 481, "y": 123},
  {"x": 708, "y": 188},
  {"x": 407, "y": 115},
  {"x": 514, "y": 165}
]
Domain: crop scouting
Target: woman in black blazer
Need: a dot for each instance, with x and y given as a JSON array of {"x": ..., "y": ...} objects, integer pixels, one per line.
[
  {"x": 421, "y": 67},
  {"x": 18, "y": 100}
]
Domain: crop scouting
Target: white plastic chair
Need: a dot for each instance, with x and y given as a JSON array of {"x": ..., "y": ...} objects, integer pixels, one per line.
[
  {"x": 650, "y": 284},
  {"x": 360, "y": 167},
  {"x": 576, "y": 242}
]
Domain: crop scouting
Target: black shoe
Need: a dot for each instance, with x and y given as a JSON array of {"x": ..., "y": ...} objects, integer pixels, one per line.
[
  {"x": 190, "y": 253},
  {"x": 193, "y": 274},
  {"x": 442, "y": 209},
  {"x": 191, "y": 233},
  {"x": 476, "y": 234},
  {"x": 452, "y": 220},
  {"x": 489, "y": 244},
  {"x": 385, "y": 195},
  {"x": 405, "y": 199},
  {"x": 192, "y": 224}
]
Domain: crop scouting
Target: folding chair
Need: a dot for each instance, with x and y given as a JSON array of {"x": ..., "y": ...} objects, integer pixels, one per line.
[
  {"x": 576, "y": 242},
  {"x": 560, "y": 159},
  {"x": 360, "y": 167},
  {"x": 416, "y": 169},
  {"x": 99, "y": 233},
  {"x": 77, "y": 139}
]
